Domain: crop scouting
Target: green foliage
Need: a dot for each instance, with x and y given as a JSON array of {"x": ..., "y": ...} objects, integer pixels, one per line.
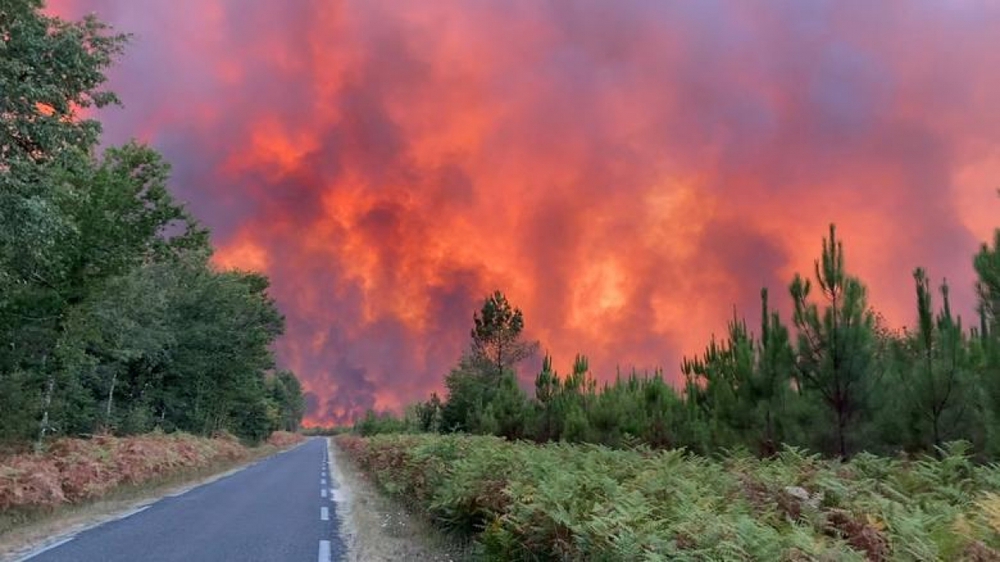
[
  {"x": 468, "y": 391},
  {"x": 49, "y": 70},
  {"x": 506, "y": 411},
  {"x": 428, "y": 414},
  {"x": 483, "y": 393},
  {"x": 985, "y": 343},
  {"x": 838, "y": 382},
  {"x": 835, "y": 345},
  {"x": 287, "y": 401},
  {"x": 374, "y": 423},
  {"x": 741, "y": 387},
  {"x": 324, "y": 431},
  {"x": 111, "y": 315},
  {"x": 496, "y": 336},
  {"x": 582, "y": 502},
  {"x": 939, "y": 398}
]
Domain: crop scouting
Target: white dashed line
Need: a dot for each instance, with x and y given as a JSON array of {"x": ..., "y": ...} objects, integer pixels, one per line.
[{"x": 324, "y": 512}]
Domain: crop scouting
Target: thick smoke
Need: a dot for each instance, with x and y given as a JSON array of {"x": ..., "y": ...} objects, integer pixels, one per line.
[{"x": 627, "y": 172}]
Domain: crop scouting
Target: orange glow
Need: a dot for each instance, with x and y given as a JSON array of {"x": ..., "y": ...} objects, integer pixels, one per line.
[
  {"x": 45, "y": 109},
  {"x": 243, "y": 253},
  {"x": 626, "y": 172}
]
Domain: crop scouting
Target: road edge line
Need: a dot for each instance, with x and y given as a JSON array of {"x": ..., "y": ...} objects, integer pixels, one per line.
[{"x": 141, "y": 505}]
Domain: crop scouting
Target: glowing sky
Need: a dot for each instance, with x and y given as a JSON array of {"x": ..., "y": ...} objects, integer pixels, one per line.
[{"x": 627, "y": 172}]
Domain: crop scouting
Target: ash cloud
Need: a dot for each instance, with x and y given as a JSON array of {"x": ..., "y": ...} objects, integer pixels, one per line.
[{"x": 626, "y": 172}]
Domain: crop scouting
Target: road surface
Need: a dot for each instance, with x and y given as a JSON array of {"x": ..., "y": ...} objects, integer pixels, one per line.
[{"x": 278, "y": 509}]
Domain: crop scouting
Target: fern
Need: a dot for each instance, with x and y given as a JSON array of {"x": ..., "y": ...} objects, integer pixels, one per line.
[{"x": 585, "y": 502}]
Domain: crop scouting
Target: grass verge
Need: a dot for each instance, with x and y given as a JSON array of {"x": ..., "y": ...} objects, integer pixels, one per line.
[{"x": 379, "y": 528}]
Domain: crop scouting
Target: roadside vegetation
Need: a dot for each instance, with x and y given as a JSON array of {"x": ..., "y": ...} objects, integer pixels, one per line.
[
  {"x": 837, "y": 381},
  {"x": 128, "y": 361},
  {"x": 76, "y": 482},
  {"x": 523, "y": 501},
  {"x": 321, "y": 431},
  {"x": 112, "y": 317},
  {"x": 832, "y": 437},
  {"x": 381, "y": 528},
  {"x": 74, "y": 470}
]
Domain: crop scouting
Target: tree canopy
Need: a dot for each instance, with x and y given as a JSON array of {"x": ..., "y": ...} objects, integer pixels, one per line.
[
  {"x": 112, "y": 316},
  {"x": 835, "y": 380}
]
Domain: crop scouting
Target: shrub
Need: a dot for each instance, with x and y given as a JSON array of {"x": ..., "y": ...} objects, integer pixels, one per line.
[
  {"x": 524, "y": 501},
  {"x": 282, "y": 439},
  {"x": 73, "y": 470}
]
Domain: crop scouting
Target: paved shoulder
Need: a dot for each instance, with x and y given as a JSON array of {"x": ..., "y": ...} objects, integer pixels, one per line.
[{"x": 277, "y": 509}]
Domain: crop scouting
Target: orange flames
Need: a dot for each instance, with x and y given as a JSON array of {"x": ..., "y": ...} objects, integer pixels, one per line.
[{"x": 626, "y": 172}]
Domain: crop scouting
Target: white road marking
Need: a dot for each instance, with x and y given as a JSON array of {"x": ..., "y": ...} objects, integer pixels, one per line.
[
  {"x": 322, "y": 481},
  {"x": 134, "y": 511},
  {"x": 324, "y": 551},
  {"x": 324, "y": 514},
  {"x": 49, "y": 547},
  {"x": 45, "y": 548},
  {"x": 322, "y": 492},
  {"x": 175, "y": 494}
]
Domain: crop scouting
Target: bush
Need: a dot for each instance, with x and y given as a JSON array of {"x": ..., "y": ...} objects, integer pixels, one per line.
[
  {"x": 282, "y": 439},
  {"x": 324, "y": 431},
  {"x": 524, "y": 501},
  {"x": 73, "y": 470},
  {"x": 373, "y": 424}
]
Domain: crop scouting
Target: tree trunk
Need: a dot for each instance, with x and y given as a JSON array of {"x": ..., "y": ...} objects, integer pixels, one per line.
[
  {"x": 841, "y": 430},
  {"x": 111, "y": 397},
  {"x": 937, "y": 434},
  {"x": 43, "y": 427}
]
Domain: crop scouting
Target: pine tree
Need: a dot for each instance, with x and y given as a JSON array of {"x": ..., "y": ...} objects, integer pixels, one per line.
[
  {"x": 835, "y": 344},
  {"x": 938, "y": 374},
  {"x": 987, "y": 344},
  {"x": 716, "y": 381},
  {"x": 496, "y": 336},
  {"x": 771, "y": 391},
  {"x": 547, "y": 386}
]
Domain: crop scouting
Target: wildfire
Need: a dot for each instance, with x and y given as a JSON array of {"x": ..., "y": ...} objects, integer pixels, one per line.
[{"x": 626, "y": 173}]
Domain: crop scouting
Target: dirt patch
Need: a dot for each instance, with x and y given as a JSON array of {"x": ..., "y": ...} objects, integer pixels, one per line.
[
  {"x": 25, "y": 532},
  {"x": 377, "y": 528}
]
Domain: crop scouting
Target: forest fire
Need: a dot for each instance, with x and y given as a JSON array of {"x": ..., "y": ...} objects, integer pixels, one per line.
[{"x": 626, "y": 173}]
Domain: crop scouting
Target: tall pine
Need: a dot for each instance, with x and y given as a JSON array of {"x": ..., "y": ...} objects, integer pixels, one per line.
[{"x": 835, "y": 342}]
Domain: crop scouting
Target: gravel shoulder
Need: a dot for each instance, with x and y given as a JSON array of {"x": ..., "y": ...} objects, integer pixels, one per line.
[{"x": 377, "y": 528}]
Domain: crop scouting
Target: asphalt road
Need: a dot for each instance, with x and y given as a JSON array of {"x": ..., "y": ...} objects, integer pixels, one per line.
[{"x": 273, "y": 511}]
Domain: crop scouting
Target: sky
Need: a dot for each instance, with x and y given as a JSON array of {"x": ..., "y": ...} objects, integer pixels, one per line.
[{"x": 628, "y": 173}]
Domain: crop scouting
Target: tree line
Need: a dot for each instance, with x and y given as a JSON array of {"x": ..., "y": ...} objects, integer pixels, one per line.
[
  {"x": 112, "y": 317},
  {"x": 834, "y": 379}
]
